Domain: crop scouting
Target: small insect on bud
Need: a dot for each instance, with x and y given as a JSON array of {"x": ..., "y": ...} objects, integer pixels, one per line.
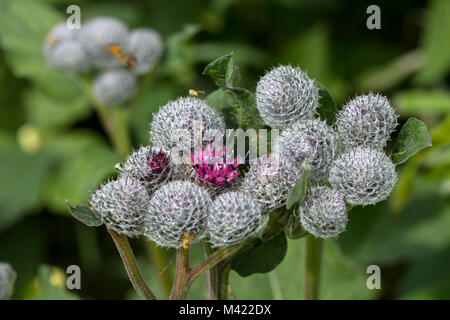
[
  {"x": 7, "y": 279},
  {"x": 123, "y": 56},
  {"x": 284, "y": 95},
  {"x": 269, "y": 180},
  {"x": 323, "y": 213},
  {"x": 174, "y": 124},
  {"x": 122, "y": 205},
  {"x": 311, "y": 139},
  {"x": 366, "y": 120},
  {"x": 96, "y": 36},
  {"x": 150, "y": 165},
  {"x": 177, "y": 214},
  {"x": 147, "y": 46},
  {"x": 364, "y": 175},
  {"x": 114, "y": 86},
  {"x": 232, "y": 218}
]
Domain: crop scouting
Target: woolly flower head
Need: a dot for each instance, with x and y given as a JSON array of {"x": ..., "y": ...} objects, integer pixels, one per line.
[
  {"x": 62, "y": 49},
  {"x": 286, "y": 94},
  {"x": 323, "y": 213},
  {"x": 147, "y": 46},
  {"x": 233, "y": 217},
  {"x": 97, "y": 34},
  {"x": 175, "y": 123},
  {"x": 311, "y": 139},
  {"x": 269, "y": 180},
  {"x": 149, "y": 165},
  {"x": 7, "y": 279},
  {"x": 114, "y": 86},
  {"x": 122, "y": 205},
  {"x": 366, "y": 120},
  {"x": 365, "y": 175},
  {"x": 177, "y": 212},
  {"x": 69, "y": 55}
]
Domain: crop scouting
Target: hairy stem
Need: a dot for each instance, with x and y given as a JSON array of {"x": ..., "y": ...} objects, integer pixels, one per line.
[
  {"x": 223, "y": 271},
  {"x": 314, "y": 248},
  {"x": 126, "y": 253},
  {"x": 211, "y": 276},
  {"x": 181, "y": 284}
]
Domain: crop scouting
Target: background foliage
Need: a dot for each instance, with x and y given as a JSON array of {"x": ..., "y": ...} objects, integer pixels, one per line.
[{"x": 52, "y": 146}]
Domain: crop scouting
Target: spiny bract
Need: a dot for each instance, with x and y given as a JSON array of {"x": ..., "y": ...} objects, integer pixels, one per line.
[
  {"x": 176, "y": 210},
  {"x": 284, "y": 95},
  {"x": 365, "y": 175},
  {"x": 175, "y": 122},
  {"x": 323, "y": 213},
  {"x": 366, "y": 120},
  {"x": 147, "y": 46},
  {"x": 150, "y": 165},
  {"x": 233, "y": 217},
  {"x": 122, "y": 205},
  {"x": 311, "y": 139},
  {"x": 269, "y": 180},
  {"x": 114, "y": 86}
]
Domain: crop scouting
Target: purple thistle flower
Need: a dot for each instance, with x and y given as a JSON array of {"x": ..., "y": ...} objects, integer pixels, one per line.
[{"x": 215, "y": 165}]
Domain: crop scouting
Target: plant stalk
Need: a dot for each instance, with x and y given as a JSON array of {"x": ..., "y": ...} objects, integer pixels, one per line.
[
  {"x": 313, "y": 260},
  {"x": 182, "y": 283},
  {"x": 126, "y": 253}
]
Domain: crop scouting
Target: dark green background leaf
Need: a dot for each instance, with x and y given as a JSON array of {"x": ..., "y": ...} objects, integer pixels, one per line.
[
  {"x": 261, "y": 257},
  {"x": 82, "y": 213}
]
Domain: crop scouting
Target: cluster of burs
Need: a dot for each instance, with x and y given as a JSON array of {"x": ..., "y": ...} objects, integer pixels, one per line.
[
  {"x": 105, "y": 44},
  {"x": 174, "y": 204}
]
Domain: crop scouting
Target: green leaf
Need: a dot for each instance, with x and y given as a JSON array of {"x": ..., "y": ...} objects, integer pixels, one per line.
[
  {"x": 82, "y": 213},
  {"x": 51, "y": 285},
  {"x": 294, "y": 229},
  {"x": 24, "y": 177},
  {"x": 436, "y": 43},
  {"x": 327, "y": 106},
  {"x": 412, "y": 138},
  {"x": 261, "y": 257},
  {"x": 221, "y": 70},
  {"x": 298, "y": 193}
]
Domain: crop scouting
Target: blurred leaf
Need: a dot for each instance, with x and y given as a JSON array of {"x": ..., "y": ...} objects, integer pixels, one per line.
[
  {"x": 418, "y": 101},
  {"x": 44, "y": 111},
  {"x": 180, "y": 55},
  {"x": 22, "y": 39},
  {"x": 298, "y": 193},
  {"x": 374, "y": 235},
  {"x": 436, "y": 43},
  {"x": 261, "y": 257},
  {"x": 51, "y": 285},
  {"x": 327, "y": 106},
  {"x": 80, "y": 174},
  {"x": 412, "y": 138},
  {"x": 23, "y": 176},
  {"x": 83, "y": 214},
  {"x": 221, "y": 70}
]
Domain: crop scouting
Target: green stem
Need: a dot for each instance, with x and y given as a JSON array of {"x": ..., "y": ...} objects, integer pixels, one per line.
[
  {"x": 126, "y": 253},
  {"x": 211, "y": 276},
  {"x": 181, "y": 284},
  {"x": 223, "y": 271},
  {"x": 314, "y": 248}
]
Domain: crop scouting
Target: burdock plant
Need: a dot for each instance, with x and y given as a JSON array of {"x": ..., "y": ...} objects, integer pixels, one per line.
[{"x": 316, "y": 170}]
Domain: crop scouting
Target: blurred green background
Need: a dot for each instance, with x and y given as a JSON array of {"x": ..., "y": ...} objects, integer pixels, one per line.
[{"x": 52, "y": 146}]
